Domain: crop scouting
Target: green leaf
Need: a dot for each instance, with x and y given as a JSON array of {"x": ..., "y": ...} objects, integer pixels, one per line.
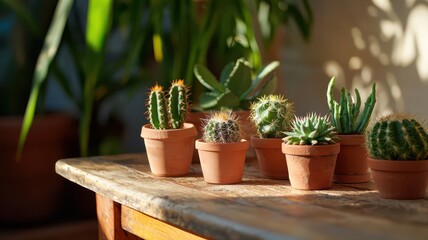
[
  {"x": 225, "y": 73},
  {"x": 26, "y": 16},
  {"x": 49, "y": 50},
  {"x": 240, "y": 78},
  {"x": 261, "y": 80},
  {"x": 207, "y": 79},
  {"x": 210, "y": 100}
]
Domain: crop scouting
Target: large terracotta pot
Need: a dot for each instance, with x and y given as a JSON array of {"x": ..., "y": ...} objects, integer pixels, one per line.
[
  {"x": 31, "y": 191},
  {"x": 169, "y": 151},
  {"x": 271, "y": 160},
  {"x": 196, "y": 118},
  {"x": 351, "y": 164},
  {"x": 400, "y": 179},
  {"x": 311, "y": 167},
  {"x": 222, "y": 163}
]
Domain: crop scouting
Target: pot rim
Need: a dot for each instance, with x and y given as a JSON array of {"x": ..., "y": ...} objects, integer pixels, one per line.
[
  {"x": 259, "y": 142},
  {"x": 188, "y": 130},
  {"x": 311, "y": 150},
  {"x": 398, "y": 165},
  {"x": 213, "y": 147}
]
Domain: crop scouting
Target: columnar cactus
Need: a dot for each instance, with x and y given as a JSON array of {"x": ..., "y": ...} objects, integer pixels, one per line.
[
  {"x": 222, "y": 127},
  {"x": 345, "y": 116},
  {"x": 168, "y": 113},
  {"x": 397, "y": 137},
  {"x": 272, "y": 116},
  {"x": 177, "y": 103},
  {"x": 311, "y": 130},
  {"x": 158, "y": 111}
]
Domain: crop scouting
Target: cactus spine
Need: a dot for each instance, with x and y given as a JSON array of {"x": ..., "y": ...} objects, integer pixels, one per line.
[
  {"x": 168, "y": 114},
  {"x": 272, "y": 116},
  {"x": 177, "y": 103},
  {"x": 222, "y": 127},
  {"x": 345, "y": 115},
  {"x": 158, "y": 113},
  {"x": 311, "y": 130},
  {"x": 397, "y": 137}
]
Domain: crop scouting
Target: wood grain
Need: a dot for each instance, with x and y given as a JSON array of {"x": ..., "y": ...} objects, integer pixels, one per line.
[{"x": 257, "y": 208}]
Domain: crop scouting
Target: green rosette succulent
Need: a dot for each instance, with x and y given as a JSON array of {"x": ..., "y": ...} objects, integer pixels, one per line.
[{"x": 312, "y": 129}]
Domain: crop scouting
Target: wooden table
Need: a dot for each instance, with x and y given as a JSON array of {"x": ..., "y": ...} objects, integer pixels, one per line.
[{"x": 131, "y": 200}]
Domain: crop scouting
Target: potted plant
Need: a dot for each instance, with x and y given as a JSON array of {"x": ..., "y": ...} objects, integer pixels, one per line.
[
  {"x": 311, "y": 150},
  {"x": 271, "y": 116},
  {"x": 350, "y": 123},
  {"x": 222, "y": 149},
  {"x": 168, "y": 139},
  {"x": 397, "y": 146}
]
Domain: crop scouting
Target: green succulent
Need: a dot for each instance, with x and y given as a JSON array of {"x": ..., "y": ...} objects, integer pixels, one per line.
[
  {"x": 397, "y": 137},
  {"x": 312, "y": 129},
  {"x": 236, "y": 87},
  {"x": 272, "y": 116},
  {"x": 222, "y": 127}
]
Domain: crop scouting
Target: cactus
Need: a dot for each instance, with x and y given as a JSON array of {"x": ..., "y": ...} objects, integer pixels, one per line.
[
  {"x": 222, "y": 127},
  {"x": 272, "y": 116},
  {"x": 169, "y": 114},
  {"x": 397, "y": 137},
  {"x": 311, "y": 130},
  {"x": 345, "y": 115},
  {"x": 177, "y": 103}
]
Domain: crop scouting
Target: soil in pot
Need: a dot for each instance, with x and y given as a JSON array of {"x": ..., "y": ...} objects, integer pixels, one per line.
[
  {"x": 169, "y": 151},
  {"x": 400, "y": 179},
  {"x": 311, "y": 167},
  {"x": 271, "y": 160},
  {"x": 222, "y": 163},
  {"x": 351, "y": 164}
]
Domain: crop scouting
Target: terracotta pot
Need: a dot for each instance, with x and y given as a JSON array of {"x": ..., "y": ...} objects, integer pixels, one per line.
[
  {"x": 271, "y": 160},
  {"x": 311, "y": 167},
  {"x": 31, "y": 190},
  {"x": 400, "y": 179},
  {"x": 351, "y": 164},
  {"x": 169, "y": 151},
  {"x": 196, "y": 118},
  {"x": 222, "y": 163}
]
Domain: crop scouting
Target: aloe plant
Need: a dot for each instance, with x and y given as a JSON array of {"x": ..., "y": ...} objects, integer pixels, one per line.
[
  {"x": 236, "y": 87},
  {"x": 345, "y": 115}
]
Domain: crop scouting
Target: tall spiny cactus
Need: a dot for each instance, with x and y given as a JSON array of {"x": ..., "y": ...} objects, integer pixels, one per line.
[
  {"x": 168, "y": 113},
  {"x": 345, "y": 115},
  {"x": 222, "y": 127},
  {"x": 397, "y": 137},
  {"x": 177, "y": 103},
  {"x": 158, "y": 113},
  {"x": 272, "y": 115}
]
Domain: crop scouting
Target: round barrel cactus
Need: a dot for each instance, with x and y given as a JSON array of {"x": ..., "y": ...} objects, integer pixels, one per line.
[
  {"x": 397, "y": 137},
  {"x": 222, "y": 127},
  {"x": 272, "y": 116}
]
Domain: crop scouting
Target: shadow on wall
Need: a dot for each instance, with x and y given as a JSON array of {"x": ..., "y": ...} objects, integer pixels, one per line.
[{"x": 361, "y": 42}]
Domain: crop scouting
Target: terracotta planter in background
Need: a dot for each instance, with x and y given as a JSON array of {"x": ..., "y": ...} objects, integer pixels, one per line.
[
  {"x": 311, "y": 167},
  {"x": 400, "y": 179},
  {"x": 351, "y": 164},
  {"x": 222, "y": 163},
  {"x": 169, "y": 151},
  {"x": 271, "y": 160}
]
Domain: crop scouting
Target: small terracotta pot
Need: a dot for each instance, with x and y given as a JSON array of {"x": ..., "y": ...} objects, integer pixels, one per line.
[
  {"x": 351, "y": 164},
  {"x": 400, "y": 179},
  {"x": 271, "y": 160},
  {"x": 311, "y": 167},
  {"x": 169, "y": 151},
  {"x": 222, "y": 163}
]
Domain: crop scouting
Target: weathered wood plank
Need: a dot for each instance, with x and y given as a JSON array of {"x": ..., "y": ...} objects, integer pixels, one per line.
[
  {"x": 258, "y": 208},
  {"x": 149, "y": 228}
]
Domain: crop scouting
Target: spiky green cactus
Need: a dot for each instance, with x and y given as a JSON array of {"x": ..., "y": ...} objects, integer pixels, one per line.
[
  {"x": 222, "y": 127},
  {"x": 177, "y": 103},
  {"x": 311, "y": 130},
  {"x": 158, "y": 111},
  {"x": 345, "y": 116},
  {"x": 397, "y": 137},
  {"x": 272, "y": 116}
]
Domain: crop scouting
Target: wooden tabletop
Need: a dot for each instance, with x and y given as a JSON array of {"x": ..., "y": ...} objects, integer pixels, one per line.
[{"x": 257, "y": 208}]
